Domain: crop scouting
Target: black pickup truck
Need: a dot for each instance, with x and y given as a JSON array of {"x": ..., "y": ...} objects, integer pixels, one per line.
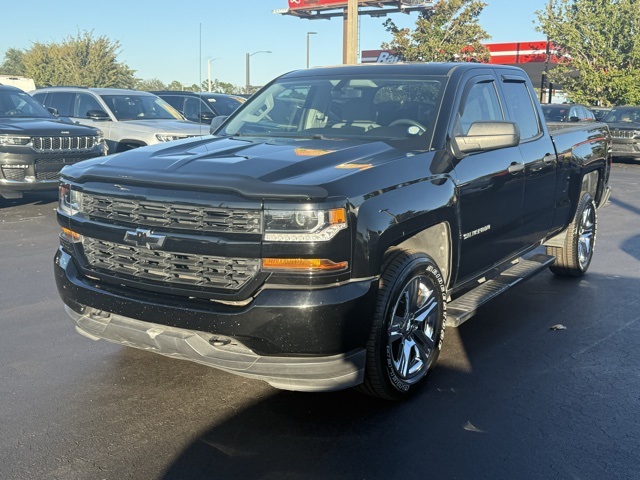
[{"x": 333, "y": 225}]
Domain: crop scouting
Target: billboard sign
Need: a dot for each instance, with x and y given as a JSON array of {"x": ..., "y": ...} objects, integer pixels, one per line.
[{"x": 326, "y": 4}]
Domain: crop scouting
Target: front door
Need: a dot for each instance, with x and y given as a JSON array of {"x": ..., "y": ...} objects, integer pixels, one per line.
[{"x": 490, "y": 187}]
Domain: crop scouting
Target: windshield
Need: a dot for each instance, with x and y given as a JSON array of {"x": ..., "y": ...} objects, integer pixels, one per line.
[
  {"x": 390, "y": 107},
  {"x": 555, "y": 113},
  {"x": 139, "y": 107},
  {"x": 623, "y": 115},
  {"x": 19, "y": 104}
]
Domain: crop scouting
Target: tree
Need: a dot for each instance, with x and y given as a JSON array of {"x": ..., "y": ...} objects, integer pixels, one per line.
[
  {"x": 13, "y": 63},
  {"x": 600, "y": 41},
  {"x": 449, "y": 32},
  {"x": 222, "y": 87},
  {"x": 150, "y": 85},
  {"x": 82, "y": 60}
]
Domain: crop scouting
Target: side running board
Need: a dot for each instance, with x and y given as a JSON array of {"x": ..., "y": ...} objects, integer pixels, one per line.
[{"x": 463, "y": 308}]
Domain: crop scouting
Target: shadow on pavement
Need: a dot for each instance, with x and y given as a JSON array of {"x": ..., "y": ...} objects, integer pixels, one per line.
[{"x": 511, "y": 397}]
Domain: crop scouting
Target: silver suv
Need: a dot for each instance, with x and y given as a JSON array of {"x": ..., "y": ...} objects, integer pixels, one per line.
[{"x": 128, "y": 118}]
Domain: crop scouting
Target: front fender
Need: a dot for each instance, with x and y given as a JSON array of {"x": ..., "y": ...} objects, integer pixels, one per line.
[{"x": 390, "y": 217}]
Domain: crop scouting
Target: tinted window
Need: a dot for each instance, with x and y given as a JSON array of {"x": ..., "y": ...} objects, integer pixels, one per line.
[
  {"x": 343, "y": 106},
  {"x": 522, "y": 108},
  {"x": 193, "y": 107},
  {"x": 481, "y": 104},
  {"x": 174, "y": 100},
  {"x": 555, "y": 113},
  {"x": 623, "y": 115},
  {"x": 136, "y": 107},
  {"x": 17, "y": 104},
  {"x": 224, "y": 105},
  {"x": 62, "y": 102},
  {"x": 84, "y": 103}
]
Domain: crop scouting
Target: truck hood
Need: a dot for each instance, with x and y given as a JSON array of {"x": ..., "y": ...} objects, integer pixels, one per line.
[
  {"x": 252, "y": 167},
  {"x": 36, "y": 127}
]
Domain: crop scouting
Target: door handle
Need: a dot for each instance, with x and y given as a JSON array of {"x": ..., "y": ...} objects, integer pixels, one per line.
[{"x": 516, "y": 167}]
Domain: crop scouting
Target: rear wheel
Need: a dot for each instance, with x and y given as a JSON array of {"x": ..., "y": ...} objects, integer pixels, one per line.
[
  {"x": 408, "y": 326},
  {"x": 573, "y": 259}
]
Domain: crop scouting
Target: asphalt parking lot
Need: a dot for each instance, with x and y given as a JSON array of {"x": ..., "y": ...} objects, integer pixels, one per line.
[{"x": 510, "y": 398}]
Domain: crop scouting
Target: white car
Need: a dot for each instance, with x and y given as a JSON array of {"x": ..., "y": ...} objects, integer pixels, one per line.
[{"x": 128, "y": 118}]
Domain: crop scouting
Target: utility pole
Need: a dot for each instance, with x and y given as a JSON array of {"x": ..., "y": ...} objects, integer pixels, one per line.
[
  {"x": 350, "y": 55},
  {"x": 308, "y": 34}
]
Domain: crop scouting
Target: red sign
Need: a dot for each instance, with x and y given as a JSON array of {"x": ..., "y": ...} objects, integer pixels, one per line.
[
  {"x": 311, "y": 4},
  {"x": 324, "y": 4}
]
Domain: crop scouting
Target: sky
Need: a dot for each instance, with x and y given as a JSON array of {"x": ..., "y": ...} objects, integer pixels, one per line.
[{"x": 160, "y": 39}]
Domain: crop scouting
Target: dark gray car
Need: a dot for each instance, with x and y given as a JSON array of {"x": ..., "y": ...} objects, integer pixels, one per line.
[
  {"x": 201, "y": 107},
  {"x": 624, "y": 124},
  {"x": 35, "y": 145}
]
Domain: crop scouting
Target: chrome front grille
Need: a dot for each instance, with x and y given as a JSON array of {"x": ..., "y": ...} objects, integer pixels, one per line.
[
  {"x": 151, "y": 214},
  {"x": 61, "y": 144},
  {"x": 157, "y": 267},
  {"x": 616, "y": 133}
]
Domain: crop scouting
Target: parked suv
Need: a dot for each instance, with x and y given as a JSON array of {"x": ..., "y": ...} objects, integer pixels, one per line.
[
  {"x": 35, "y": 145},
  {"x": 202, "y": 106},
  {"x": 128, "y": 118},
  {"x": 624, "y": 124}
]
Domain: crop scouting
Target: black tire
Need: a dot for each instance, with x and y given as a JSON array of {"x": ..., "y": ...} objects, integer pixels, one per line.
[
  {"x": 574, "y": 258},
  {"x": 408, "y": 327}
]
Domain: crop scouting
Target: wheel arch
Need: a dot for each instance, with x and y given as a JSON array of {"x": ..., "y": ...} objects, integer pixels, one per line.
[
  {"x": 421, "y": 216},
  {"x": 435, "y": 241}
]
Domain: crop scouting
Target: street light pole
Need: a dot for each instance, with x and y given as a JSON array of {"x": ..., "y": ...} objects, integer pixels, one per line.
[
  {"x": 248, "y": 67},
  {"x": 308, "y": 34},
  {"x": 209, "y": 71}
]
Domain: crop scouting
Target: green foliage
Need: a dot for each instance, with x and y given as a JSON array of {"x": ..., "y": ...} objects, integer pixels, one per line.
[
  {"x": 602, "y": 47},
  {"x": 449, "y": 32},
  {"x": 82, "y": 60},
  {"x": 13, "y": 63},
  {"x": 224, "y": 87},
  {"x": 148, "y": 85}
]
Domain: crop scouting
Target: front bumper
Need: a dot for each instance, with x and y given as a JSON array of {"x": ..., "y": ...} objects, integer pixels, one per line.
[
  {"x": 625, "y": 148},
  {"x": 307, "y": 340},
  {"x": 15, "y": 189}
]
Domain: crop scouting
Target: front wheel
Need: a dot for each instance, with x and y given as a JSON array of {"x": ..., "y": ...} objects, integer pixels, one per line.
[
  {"x": 408, "y": 326},
  {"x": 574, "y": 258}
]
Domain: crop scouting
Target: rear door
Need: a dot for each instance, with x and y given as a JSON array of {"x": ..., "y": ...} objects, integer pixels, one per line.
[{"x": 539, "y": 156}]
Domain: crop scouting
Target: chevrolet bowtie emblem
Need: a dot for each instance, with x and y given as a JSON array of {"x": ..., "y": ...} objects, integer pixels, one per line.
[{"x": 144, "y": 238}]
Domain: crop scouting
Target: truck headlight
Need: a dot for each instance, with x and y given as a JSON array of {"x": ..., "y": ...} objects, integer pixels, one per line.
[
  {"x": 168, "y": 137},
  {"x": 14, "y": 140},
  {"x": 69, "y": 199},
  {"x": 304, "y": 225}
]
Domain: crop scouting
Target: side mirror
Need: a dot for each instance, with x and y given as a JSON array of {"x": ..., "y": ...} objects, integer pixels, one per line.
[
  {"x": 97, "y": 115},
  {"x": 574, "y": 119},
  {"x": 216, "y": 122},
  {"x": 483, "y": 136},
  {"x": 53, "y": 111},
  {"x": 206, "y": 117}
]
